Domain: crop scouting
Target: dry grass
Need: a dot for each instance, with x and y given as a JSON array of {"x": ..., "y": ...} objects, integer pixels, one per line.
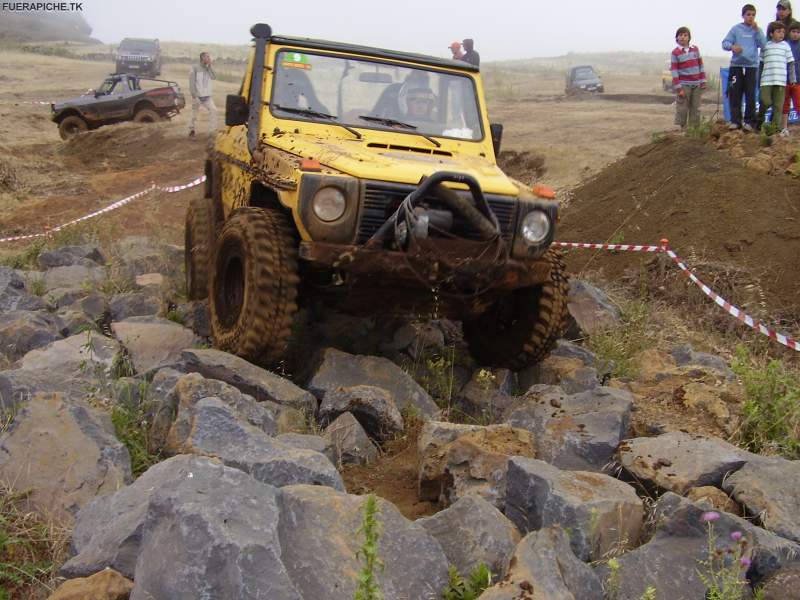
[{"x": 32, "y": 549}]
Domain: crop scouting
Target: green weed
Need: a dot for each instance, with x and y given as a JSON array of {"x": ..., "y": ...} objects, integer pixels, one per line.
[
  {"x": 175, "y": 316},
  {"x": 649, "y": 593},
  {"x": 470, "y": 588},
  {"x": 368, "y": 587},
  {"x": 701, "y": 131},
  {"x": 131, "y": 427},
  {"x": 771, "y": 415},
  {"x": 722, "y": 572},
  {"x": 612, "y": 583},
  {"x": 617, "y": 347}
]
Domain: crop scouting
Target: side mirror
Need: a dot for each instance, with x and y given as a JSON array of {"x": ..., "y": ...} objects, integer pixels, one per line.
[
  {"x": 236, "y": 110},
  {"x": 496, "y": 130}
]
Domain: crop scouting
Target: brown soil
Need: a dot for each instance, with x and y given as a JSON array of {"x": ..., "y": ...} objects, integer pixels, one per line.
[
  {"x": 709, "y": 205},
  {"x": 393, "y": 476},
  {"x": 524, "y": 166}
]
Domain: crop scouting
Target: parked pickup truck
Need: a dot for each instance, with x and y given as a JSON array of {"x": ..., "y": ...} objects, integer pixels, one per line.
[{"x": 120, "y": 98}]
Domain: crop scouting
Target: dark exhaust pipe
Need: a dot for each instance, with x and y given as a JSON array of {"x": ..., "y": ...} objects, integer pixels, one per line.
[{"x": 261, "y": 33}]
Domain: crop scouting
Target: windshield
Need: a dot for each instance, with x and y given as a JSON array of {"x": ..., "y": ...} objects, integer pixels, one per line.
[
  {"x": 371, "y": 94},
  {"x": 137, "y": 47},
  {"x": 586, "y": 73}
]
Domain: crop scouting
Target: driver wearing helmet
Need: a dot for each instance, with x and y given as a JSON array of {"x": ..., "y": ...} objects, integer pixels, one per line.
[{"x": 419, "y": 103}]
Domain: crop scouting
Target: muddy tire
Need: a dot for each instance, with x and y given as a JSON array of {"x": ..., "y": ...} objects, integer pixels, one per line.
[
  {"x": 198, "y": 247},
  {"x": 253, "y": 291},
  {"x": 521, "y": 329},
  {"x": 146, "y": 115},
  {"x": 71, "y": 126}
]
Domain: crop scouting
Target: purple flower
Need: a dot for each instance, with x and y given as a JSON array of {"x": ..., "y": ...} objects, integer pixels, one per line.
[
  {"x": 736, "y": 536},
  {"x": 744, "y": 561},
  {"x": 709, "y": 516}
]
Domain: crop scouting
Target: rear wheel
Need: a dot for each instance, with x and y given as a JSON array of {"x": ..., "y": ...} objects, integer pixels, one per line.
[
  {"x": 146, "y": 115},
  {"x": 71, "y": 126},
  {"x": 522, "y": 328},
  {"x": 199, "y": 235},
  {"x": 253, "y": 291}
]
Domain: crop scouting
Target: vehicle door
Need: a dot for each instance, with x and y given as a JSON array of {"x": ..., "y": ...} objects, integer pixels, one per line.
[{"x": 112, "y": 104}]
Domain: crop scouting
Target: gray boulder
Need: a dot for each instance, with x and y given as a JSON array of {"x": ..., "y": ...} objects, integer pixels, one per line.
[
  {"x": 590, "y": 309},
  {"x": 567, "y": 349},
  {"x": 307, "y": 441},
  {"x": 137, "y": 255},
  {"x": 685, "y": 355},
  {"x": 79, "y": 353},
  {"x": 93, "y": 305},
  {"x": 784, "y": 584},
  {"x": 73, "y": 276},
  {"x": 325, "y": 566},
  {"x": 769, "y": 488},
  {"x": 152, "y": 342},
  {"x": 347, "y": 442},
  {"x": 372, "y": 406},
  {"x": 134, "y": 304},
  {"x": 472, "y": 531},
  {"x": 488, "y": 393},
  {"x": 544, "y": 568},
  {"x": 339, "y": 369},
  {"x": 19, "y": 386},
  {"x": 63, "y": 453},
  {"x": 174, "y": 414},
  {"x": 14, "y": 296},
  {"x": 108, "y": 530},
  {"x": 247, "y": 377},
  {"x": 670, "y": 560},
  {"x": 574, "y": 431},
  {"x": 22, "y": 331},
  {"x": 196, "y": 317},
  {"x": 601, "y": 513},
  {"x": 216, "y": 431},
  {"x": 678, "y": 461},
  {"x": 570, "y": 374},
  {"x": 84, "y": 255},
  {"x": 212, "y": 532}
]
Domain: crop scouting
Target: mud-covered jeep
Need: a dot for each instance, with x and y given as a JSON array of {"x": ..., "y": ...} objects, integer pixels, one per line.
[
  {"x": 367, "y": 178},
  {"x": 138, "y": 55}
]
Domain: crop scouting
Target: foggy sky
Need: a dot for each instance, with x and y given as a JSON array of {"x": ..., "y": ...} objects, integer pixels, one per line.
[{"x": 502, "y": 29}]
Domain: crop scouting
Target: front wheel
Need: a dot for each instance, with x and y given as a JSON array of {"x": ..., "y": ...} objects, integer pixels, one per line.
[
  {"x": 199, "y": 235},
  {"x": 521, "y": 328},
  {"x": 253, "y": 291},
  {"x": 71, "y": 126}
]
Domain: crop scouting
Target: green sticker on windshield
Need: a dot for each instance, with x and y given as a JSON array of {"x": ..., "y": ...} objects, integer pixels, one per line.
[{"x": 296, "y": 60}]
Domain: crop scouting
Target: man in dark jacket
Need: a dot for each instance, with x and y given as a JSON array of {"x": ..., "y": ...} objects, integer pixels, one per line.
[
  {"x": 783, "y": 13},
  {"x": 470, "y": 55}
]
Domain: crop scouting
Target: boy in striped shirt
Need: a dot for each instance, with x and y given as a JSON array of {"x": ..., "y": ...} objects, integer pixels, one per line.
[
  {"x": 688, "y": 79},
  {"x": 777, "y": 60}
]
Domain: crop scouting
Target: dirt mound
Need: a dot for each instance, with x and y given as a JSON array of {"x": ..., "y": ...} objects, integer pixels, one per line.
[
  {"x": 129, "y": 146},
  {"x": 525, "y": 166},
  {"x": 711, "y": 207}
]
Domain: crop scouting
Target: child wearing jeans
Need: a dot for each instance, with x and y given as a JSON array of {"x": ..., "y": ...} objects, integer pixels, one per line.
[
  {"x": 776, "y": 59},
  {"x": 792, "y": 89},
  {"x": 688, "y": 79}
]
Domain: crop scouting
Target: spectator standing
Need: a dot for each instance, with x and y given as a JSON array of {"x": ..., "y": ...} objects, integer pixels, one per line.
[
  {"x": 744, "y": 40},
  {"x": 792, "y": 89},
  {"x": 783, "y": 13},
  {"x": 778, "y": 62},
  {"x": 470, "y": 55},
  {"x": 455, "y": 48},
  {"x": 688, "y": 79},
  {"x": 200, "y": 78}
]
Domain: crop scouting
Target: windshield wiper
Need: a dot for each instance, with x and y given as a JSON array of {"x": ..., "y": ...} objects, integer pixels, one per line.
[
  {"x": 396, "y": 123},
  {"x": 319, "y": 115}
]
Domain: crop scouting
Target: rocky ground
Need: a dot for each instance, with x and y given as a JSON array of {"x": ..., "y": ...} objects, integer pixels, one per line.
[{"x": 181, "y": 471}]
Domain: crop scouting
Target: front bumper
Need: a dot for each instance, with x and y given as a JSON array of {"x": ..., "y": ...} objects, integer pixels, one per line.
[{"x": 391, "y": 266}]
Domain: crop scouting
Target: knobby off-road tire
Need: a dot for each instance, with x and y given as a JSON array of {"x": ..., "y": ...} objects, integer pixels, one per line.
[
  {"x": 522, "y": 328},
  {"x": 253, "y": 291},
  {"x": 71, "y": 126},
  {"x": 146, "y": 115},
  {"x": 199, "y": 236}
]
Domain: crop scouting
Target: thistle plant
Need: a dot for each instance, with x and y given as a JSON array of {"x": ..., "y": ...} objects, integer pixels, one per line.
[
  {"x": 368, "y": 587},
  {"x": 723, "y": 571}
]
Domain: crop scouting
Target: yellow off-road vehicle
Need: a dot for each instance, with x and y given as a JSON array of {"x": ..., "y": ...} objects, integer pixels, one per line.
[{"x": 368, "y": 178}]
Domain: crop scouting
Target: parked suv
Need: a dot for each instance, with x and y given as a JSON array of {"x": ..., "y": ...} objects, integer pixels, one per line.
[
  {"x": 583, "y": 79},
  {"x": 367, "y": 178},
  {"x": 140, "y": 56}
]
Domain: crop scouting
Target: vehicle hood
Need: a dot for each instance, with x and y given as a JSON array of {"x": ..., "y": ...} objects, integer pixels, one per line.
[
  {"x": 76, "y": 101},
  {"x": 366, "y": 160}
]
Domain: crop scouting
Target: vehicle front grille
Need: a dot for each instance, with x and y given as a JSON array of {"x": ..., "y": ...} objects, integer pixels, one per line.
[
  {"x": 382, "y": 199},
  {"x": 132, "y": 58}
]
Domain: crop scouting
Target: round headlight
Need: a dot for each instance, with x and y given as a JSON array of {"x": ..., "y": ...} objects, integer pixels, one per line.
[
  {"x": 329, "y": 204},
  {"x": 535, "y": 227}
]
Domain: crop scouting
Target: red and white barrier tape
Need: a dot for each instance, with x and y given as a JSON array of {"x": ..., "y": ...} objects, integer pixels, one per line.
[
  {"x": 731, "y": 309},
  {"x": 169, "y": 189}
]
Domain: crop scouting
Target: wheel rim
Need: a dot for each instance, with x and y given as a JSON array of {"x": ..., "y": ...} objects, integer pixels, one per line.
[{"x": 230, "y": 291}]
